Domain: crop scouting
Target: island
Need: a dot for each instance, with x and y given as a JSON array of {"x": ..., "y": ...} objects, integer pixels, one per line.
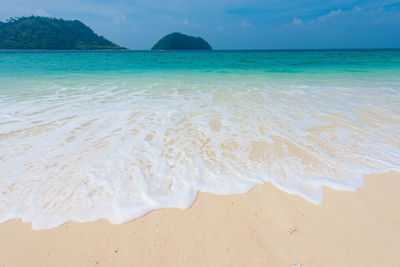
[
  {"x": 37, "y": 32},
  {"x": 179, "y": 41}
]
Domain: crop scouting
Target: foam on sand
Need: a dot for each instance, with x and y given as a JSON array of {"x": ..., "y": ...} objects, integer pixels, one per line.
[{"x": 119, "y": 150}]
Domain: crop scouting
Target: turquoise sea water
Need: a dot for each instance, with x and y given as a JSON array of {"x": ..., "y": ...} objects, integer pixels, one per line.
[{"x": 90, "y": 135}]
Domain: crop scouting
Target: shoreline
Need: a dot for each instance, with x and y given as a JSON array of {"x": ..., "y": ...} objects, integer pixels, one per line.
[{"x": 265, "y": 226}]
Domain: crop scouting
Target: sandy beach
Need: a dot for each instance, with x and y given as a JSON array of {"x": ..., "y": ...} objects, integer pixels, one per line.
[
  {"x": 184, "y": 133},
  {"x": 265, "y": 227}
]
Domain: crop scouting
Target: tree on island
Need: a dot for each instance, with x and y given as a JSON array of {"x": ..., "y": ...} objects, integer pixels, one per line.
[
  {"x": 179, "y": 41},
  {"x": 50, "y": 33}
]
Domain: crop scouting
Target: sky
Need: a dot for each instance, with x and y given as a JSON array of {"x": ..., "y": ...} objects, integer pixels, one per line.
[{"x": 230, "y": 24}]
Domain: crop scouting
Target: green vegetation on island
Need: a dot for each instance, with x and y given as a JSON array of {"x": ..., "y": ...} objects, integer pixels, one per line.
[
  {"x": 179, "y": 41},
  {"x": 50, "y": 33}
]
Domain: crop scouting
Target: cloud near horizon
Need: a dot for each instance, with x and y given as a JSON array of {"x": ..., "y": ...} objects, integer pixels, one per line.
[{"x": 235, "y": 24}]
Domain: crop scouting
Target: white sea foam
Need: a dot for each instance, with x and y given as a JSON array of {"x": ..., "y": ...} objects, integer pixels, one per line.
[{"x": 120, "y": 150}]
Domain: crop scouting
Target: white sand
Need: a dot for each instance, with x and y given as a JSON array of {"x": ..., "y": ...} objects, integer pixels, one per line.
[{"x": 265, "y": 227}]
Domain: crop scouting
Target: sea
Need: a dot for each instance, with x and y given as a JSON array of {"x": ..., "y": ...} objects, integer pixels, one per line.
[{"x": 88, "y": 135}]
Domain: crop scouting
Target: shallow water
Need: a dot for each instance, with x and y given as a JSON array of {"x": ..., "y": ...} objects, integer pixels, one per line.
[{"x": 90, "y": 135}]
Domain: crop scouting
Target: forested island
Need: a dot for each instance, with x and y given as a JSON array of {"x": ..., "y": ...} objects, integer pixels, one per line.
[
  {"x": 179, "y": 41},
  {"x": 36, "y": 32}
]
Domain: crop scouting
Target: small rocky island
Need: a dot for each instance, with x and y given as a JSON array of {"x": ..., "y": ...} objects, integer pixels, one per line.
[
  {"x": 179, "y": 41},
  {"x": 50, "y": 33}
]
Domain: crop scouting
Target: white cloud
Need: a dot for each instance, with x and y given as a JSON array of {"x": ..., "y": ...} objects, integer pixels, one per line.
[
  {"x": 357, "y": 8},
  {"x": 296, "y": 21},
  {"x": 331, "y": 14}
]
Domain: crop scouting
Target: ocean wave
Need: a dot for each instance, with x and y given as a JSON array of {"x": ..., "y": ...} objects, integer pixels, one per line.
[{"x": 119, "y": 150}]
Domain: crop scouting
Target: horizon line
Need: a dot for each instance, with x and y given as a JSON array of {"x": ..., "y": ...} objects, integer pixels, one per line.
[{"x": 215, "y": 50}]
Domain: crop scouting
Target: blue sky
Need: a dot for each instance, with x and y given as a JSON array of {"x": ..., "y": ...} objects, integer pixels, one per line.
[{"x": 230, "y": 24}]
